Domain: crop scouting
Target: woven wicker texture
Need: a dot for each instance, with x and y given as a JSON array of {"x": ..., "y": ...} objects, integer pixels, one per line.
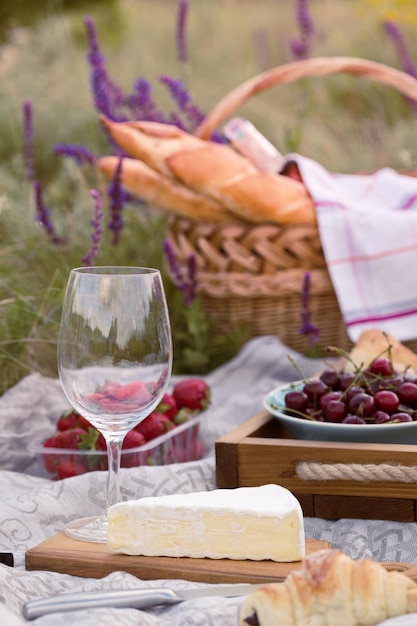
[{"x": 253, "y": 275}]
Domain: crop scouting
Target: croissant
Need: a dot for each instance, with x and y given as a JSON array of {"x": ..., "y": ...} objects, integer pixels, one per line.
[
  {"x": 332, "y": 590},
  {"x": 216, "y": 171}
]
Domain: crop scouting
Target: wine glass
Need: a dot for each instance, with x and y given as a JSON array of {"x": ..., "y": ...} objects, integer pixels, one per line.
[{"x": 114, "y": 360}]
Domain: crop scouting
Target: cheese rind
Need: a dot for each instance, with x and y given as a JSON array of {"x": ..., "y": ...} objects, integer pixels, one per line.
[{"x": 254, "y": 523}]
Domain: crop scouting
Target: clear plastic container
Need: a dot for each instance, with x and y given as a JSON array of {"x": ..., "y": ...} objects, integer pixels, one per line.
[{"x": 178, "y": 445}]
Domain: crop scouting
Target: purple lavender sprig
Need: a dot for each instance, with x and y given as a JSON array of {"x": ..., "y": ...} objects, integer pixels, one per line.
[
  {"x": 308, "y": 329},
  {"x": 97, "y": 224},
  {"x": 300, "y": 47},
  {"x": 393, "y": 31},
  {"x": 186, "y": 283},
  {"x": 178, "y": 92},
  {"x": 141, "y": 103},
  {"x": 182, "y": 16},
  {"x": 118, "y": 198},
  {"x": 80, "y": 154},
  {"x": 43, "y": 215},
  {"x": 28, "y": 140},
  {"x": 108, "y": 97}
]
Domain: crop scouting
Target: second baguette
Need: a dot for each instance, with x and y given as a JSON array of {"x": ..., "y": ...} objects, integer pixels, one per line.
[{"x": 144, "y": 182}]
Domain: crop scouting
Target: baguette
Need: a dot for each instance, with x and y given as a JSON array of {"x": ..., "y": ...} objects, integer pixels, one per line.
[
  {"x": 144, "y": 182},
  {"x": 230, "y": 178},
  {"x": 216, "y": 171},
  {"x": 332, "y": 590},
  {"x": 374, "y": 343},
  {"x": 150, "y": 142}
]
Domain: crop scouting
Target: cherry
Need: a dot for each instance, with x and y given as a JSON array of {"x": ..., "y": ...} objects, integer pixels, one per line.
[
  {"x": 314, "y": 390},
  {"x": 327, "y": 397},
  {"x": 381, "y": 366},
  {"x": 353, "y": 419},
  {"x": 407, "y": 393},
  {"x": 380, "y": 417},
  {"x": 387, "y": 401},
  {"x": 401, "y": 417},
  {"x": 352, "y": 391},
  {"x": 335, "y": 411},
  {"x": 330, "y": 378},
  {"x": 297, "y": 401},
  {"x": 362, "y": 404},
  {"x": 346, "y": 380}
]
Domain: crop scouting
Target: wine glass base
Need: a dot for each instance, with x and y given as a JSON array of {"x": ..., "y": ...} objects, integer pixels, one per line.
[{"x": 93, "y": 529}]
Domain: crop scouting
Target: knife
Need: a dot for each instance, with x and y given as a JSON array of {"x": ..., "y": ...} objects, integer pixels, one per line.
[{"x": 129, "y": 598}]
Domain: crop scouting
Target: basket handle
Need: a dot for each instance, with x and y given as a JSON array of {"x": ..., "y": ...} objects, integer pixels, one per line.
[{"x": 289, "y": 72}]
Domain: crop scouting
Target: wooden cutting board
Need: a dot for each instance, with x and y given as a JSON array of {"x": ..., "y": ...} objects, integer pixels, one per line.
[{"x": 93, "y": 560}]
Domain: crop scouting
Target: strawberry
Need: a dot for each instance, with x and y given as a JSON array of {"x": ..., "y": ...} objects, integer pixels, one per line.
[
  {"x": 193, "y": 393},
  {"x": 68, "y": 419},
  {"x": 115, "y": 397},
  {"x": 70, "y": 439},
  {"x": 183, "y": 415},
  {"x": 67, "y": 468},
  {"x": 133, "y": 439},
  {"x": 168, "y": 406},
  {"x": 154, "y": 425},
  {"x": 84, "y": 423},
  {"x": 50, "y": 460}
]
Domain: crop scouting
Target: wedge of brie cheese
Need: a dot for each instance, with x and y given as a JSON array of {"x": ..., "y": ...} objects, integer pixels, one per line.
[{"x": 256, "y": 523}]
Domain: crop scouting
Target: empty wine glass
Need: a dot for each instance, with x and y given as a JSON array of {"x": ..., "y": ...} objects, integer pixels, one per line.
[{"x": 114, "y": 360}]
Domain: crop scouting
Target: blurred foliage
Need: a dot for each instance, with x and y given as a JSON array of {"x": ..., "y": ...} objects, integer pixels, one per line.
[{"x": 347, "y": 123}]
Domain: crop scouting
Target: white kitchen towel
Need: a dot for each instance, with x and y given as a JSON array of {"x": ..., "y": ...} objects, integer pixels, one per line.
[{"x": 368, "y": 231}]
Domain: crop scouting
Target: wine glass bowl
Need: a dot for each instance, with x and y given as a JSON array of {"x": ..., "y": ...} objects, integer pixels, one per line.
[{"x": 114, "y": 359}]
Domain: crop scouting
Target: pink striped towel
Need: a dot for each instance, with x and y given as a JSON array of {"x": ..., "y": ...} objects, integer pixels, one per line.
[{"x": 368, "y": 230}]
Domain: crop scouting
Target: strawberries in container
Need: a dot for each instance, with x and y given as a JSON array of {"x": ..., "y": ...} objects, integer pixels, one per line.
[{"x": 170, "y": 434}]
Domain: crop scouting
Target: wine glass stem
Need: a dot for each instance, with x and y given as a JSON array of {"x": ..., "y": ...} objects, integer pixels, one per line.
[{"x": 114, "y": 451}]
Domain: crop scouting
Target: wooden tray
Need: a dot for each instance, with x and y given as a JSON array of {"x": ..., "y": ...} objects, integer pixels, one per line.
[
  {"x": 93, "y": 560},
  {"x": 260, "y": 451}
]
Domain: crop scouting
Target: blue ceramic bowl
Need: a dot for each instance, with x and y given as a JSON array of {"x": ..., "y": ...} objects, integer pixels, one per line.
[{"x": 299, "y": 428}]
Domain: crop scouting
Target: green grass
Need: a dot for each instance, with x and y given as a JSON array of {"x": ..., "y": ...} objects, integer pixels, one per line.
[{"x": 346, "y": 123}]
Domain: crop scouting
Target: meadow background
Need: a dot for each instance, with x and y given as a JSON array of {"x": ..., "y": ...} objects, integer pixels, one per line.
[{"x": 346, "y": 123}]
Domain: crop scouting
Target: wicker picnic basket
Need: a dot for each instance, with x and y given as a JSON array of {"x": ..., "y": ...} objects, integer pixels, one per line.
[{"x": 253, "y": 275}]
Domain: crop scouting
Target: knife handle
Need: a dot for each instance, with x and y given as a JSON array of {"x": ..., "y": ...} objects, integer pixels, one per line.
[{"x": 124, "y": 598}]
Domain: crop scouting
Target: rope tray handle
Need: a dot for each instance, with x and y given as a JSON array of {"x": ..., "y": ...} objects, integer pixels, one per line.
[
  {"x": 289, "y": 72},
  {"x": 356, "y": 472}
]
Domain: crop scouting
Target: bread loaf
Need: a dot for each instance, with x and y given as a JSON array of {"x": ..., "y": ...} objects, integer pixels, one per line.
[
  {"x": 332, "y": 590},
  {"x": 144, "y": 182},
  {"x": 150, "y": 142},
  {"x": 374, "y": 343},
  {"x": 216, "y": 171}
]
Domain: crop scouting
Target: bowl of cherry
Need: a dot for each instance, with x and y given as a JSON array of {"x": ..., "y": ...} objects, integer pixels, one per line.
[{"x": 376, "y": 404}]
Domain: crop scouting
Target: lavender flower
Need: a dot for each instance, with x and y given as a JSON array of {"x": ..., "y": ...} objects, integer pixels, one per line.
[
  {"x": 97, "y": 224},
  {"x": 80, "y": 154},
  {"x": 307, "y": 328},
  {"x": 118, "y": 198},
  {"x": 301, "y": 47},
  {"x": 28, "y": 140},
  {"x": 178, "y": 91},
  {"x": 392, "y": 29},
  {"x": 43, "y": 215},
  {"x": 107, "y": 95},
  {"x": 187, "y": 284},
  {"x": 183, "y": 7},
  {"x": 141, "y": 103}
]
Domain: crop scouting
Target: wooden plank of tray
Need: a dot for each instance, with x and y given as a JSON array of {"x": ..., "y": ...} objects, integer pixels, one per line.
[{"x": 260, "y": 451}]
